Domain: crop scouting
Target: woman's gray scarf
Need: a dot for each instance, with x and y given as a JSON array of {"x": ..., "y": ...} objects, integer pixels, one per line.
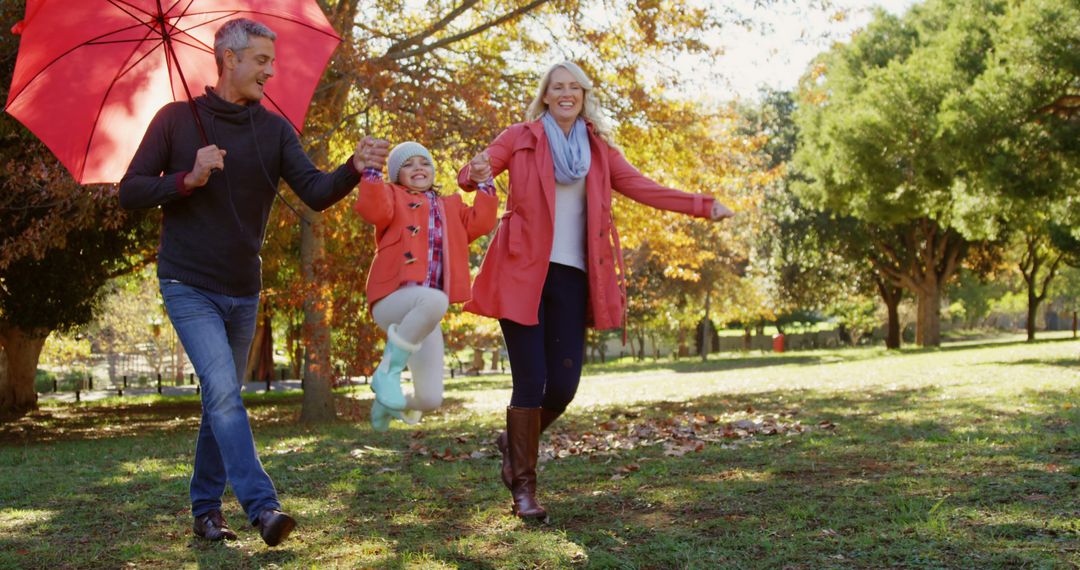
[{"x": 570, "y": 153}]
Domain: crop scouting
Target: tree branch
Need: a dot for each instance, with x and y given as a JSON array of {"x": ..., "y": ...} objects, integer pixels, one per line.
[
  {"x": 417, "y": 39},
  {"x": 420, "y": 50}
]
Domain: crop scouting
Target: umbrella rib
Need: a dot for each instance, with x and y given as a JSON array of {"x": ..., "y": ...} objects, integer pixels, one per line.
[
  {"x": 117, "y": 4},
  {"x": 101, "y": 106},
  {"x": 194, "y": 45},
  {"x": 282, "y": 112},
  {"x": 89, "y": 42},
  {"x": 226, "y": 13},
  {"x": 146, "y": 23}
]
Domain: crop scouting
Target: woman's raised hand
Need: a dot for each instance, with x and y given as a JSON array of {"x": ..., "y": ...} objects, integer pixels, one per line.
[
  {"x": 720, "y": 212},
  {"x": 480, "y": 168}
]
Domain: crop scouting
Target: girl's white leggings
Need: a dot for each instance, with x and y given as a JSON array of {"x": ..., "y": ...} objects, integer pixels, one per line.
[{"x": 417, "y": 311}]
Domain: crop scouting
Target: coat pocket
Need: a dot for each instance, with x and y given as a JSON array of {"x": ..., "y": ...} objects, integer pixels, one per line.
[
  {"x": 389, "y": 259},
  {"x": 509, "y": 233}
]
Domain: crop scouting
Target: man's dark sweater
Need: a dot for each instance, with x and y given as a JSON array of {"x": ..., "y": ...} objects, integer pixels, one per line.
[{"x": 212, "y": 235}]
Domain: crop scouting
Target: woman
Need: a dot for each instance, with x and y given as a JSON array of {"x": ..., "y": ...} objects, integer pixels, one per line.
[{"x": 550, "y": 269}]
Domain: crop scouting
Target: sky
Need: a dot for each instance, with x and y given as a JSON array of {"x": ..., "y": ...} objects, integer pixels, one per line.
[{"x": 789, "y": 34}]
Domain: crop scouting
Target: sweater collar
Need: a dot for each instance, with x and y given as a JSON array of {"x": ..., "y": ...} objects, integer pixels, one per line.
[{"x": 227, "y": 111}]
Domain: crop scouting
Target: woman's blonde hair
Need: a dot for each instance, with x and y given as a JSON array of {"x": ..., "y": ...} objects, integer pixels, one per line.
[{"x": 590, "y": 109}]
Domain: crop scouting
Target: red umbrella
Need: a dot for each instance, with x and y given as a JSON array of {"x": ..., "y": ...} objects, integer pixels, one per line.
[{"x": 90, "y": 75}]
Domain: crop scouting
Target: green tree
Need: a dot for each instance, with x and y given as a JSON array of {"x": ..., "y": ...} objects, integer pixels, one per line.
[
  {"x": 816, "y": 259},
  {"x": 1015, "y": 133},
  {"x": 871, "y": 137},
  {"x": 59, "y": 244}
]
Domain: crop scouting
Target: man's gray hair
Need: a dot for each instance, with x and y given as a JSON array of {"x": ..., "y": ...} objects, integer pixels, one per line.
[{"x": 235, "y": 35}]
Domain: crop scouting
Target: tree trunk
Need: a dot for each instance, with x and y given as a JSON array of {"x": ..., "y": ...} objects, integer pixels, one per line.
[
  {"x": 703, "y": 347},
  {"x": 892, "y": 335},
  {"x": 928, "y": 327},
  {"x": 318, "y": 403},
  {"x": 260, "y": 364},
  {"x": 1037, "y": 255},
  {"x": 891, "y": 295},
  {"x": 295, "y": 349},
  {"x": 477, "y": 361},
  {"x": 21, "y": 351},
  {"x": 329, "y": 101},
  {"x": 179, "y": 348},
  {"x": 921, "y": 256},
  {"x": 1032, "y": 313}
]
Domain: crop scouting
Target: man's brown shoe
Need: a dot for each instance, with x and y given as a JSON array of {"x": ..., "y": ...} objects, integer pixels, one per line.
[
  {"x": 274, "y": 526},
  {"x": 212, "y": 526}
]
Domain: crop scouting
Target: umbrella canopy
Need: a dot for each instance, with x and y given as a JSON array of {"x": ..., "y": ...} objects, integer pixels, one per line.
[{"x": 90, "y": 75}]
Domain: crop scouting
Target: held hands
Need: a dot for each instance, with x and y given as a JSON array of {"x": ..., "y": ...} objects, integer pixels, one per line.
[
  {"x": 371, "y": 153},
  {"x": 720, "y": 212},
  {"x": 480, "y": 168},
  {"x": 207, "y": 160}
]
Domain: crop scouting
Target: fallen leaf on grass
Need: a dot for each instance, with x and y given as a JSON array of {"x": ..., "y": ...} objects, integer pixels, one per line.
[
  {"x": 628, "y": 468},
  {"x": 448, "y": 455}
]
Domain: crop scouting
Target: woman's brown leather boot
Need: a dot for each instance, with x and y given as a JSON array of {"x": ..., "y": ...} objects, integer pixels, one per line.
[
  {"x": 523, "y": 439},
  {"x": 547, "y": 417}
]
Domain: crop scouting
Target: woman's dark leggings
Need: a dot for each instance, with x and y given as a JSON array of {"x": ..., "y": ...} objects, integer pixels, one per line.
[{"x": 546, "y": 358}]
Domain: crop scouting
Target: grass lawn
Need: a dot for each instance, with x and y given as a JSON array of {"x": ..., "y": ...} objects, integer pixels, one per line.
[{"x": 966, "y": 456}]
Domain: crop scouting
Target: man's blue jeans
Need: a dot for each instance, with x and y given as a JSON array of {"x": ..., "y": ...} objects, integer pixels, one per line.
[{"x": 216, "y": 331}]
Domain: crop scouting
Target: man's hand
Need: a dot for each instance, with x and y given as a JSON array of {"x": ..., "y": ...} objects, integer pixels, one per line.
[
  {"x": 480, "y": 168},
  {"x": 207, "y": 160},
  {"x": 371, "y": 153},
  {"x": 720, "y": 212}
]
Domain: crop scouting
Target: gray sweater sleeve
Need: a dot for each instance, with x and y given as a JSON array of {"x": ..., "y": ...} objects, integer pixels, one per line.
[
  {"x": 319, "y": 190},
  {"x": 146, "y": 183}
]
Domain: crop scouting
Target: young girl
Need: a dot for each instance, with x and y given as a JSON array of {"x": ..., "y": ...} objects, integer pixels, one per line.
[{"x": 420, "y": 267}]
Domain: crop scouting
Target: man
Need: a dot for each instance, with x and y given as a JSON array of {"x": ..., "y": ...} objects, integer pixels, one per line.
[{"x": 216, "y": 195}]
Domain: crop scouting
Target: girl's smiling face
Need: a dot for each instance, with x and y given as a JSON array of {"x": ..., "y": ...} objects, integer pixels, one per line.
[{"x": 417, "y": 173}]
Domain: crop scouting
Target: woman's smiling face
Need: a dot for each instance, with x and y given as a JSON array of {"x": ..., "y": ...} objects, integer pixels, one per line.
[{"x": 564, "y": 97}]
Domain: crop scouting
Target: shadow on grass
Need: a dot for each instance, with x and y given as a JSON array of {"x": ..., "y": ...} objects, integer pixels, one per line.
[
  {"x": 1062, "y": 362},
  {"x": 987, "y": 344},
  {"x": 115, "y": 418},
  {"x": 912, "y": 487},
  {"x": 908, "y": 477}
]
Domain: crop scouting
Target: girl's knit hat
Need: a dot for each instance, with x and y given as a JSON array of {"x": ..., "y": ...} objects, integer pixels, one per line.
[{"x": 403, "y": 152}]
